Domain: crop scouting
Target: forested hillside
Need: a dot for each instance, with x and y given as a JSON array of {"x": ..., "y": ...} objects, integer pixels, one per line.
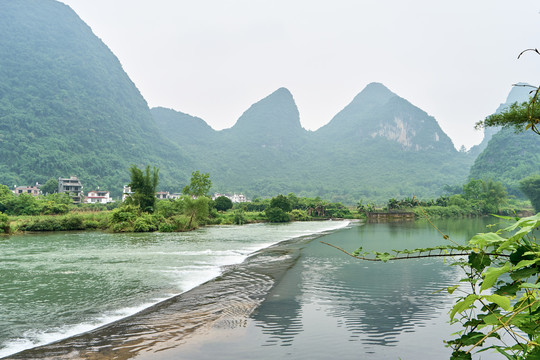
[
  {"x": 68, "y": 108},
  {"x": 508, "y": 156},
  {"x": 379, "y": 146}
]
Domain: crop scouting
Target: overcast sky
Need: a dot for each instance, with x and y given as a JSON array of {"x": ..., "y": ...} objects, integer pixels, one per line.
[{"x": 456, "y": 60}]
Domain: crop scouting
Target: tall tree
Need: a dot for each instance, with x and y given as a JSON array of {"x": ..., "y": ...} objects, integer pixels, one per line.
[
  {"x": 531, "y": 187},
  {"x": 199, "y": 185},
  {"x": 143, "y": 186}
]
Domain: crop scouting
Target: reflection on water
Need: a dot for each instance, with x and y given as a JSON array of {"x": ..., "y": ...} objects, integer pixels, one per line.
[
  {"x": 330, "y": 303},
  {"x": 373, "y": 302}
]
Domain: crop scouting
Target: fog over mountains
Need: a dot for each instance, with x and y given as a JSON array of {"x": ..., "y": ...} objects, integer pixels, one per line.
[{"x": 68, "y": 108}]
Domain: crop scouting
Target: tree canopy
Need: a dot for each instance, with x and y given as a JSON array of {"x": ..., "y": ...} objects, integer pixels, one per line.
[
  {"x": 143, "y": 186},
  {"x": 199, "y": 184}
]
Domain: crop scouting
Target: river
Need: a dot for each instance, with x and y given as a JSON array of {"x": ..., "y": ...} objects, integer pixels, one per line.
[{"x": 254, "y": 291}]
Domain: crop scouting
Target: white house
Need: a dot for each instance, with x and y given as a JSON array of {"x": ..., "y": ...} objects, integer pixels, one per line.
[
  {"x": 235, "y": 198},
  {"x": 98, "y": 197}
]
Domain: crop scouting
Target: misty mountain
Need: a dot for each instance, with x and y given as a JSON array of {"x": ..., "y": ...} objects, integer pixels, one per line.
[
  {"x": 377, "y": 113},
  {"x": 68, "y": 108},
  {"x": 378, "y": 146}
]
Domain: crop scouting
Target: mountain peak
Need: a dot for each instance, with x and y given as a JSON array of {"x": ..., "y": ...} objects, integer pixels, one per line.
[
  {"x": 275, "y": 116},
  {"x": 374, "y": 93}
]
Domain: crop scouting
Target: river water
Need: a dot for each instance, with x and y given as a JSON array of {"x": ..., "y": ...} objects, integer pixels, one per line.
[{"x": 254, "y": 291}]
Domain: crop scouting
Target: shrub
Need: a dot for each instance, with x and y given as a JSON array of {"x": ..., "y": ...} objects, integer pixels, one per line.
[
  {"x": 72, "y": 222},
  {"x": 127, "y": 213},
  {"x": 239, "y": 217},
  {"x": 277, "y": 215},
  {"x": 145, "y": 223},
  {"x": 4, "y": 224},
  {"x": 299, "y": 215}
]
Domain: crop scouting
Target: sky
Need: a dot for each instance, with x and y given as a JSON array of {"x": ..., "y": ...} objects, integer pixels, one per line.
[{"x": 456, "y": 60}]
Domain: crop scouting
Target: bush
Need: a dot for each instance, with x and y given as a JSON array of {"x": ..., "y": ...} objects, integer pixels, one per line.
[
  {"x": 277, "y": 215},
  {"x": 223, "y": 203},
  {"x": 299, "y": 215},
  {"x": 72, "y": 222},
  {"x": 145, "y": 223},
  {"x": 4, "y": 224},
  {"x": 239, "y": 217},
  {"x": 126, "y": 213}
]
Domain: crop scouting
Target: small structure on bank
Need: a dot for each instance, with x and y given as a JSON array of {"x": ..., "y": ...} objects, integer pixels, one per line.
[{"x": 71, "y": 186}]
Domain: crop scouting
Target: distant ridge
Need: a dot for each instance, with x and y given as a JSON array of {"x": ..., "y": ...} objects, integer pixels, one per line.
[{"x": 378, "y": 146}]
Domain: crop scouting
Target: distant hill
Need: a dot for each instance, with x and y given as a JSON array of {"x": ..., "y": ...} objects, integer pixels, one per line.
[
  {"x": 68, "y": 108},
  {"x": 508, "y": 156},
  {"x": 377, "y": 147}
]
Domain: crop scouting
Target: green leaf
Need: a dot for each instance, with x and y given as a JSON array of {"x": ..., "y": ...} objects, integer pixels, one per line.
[
  {"x": 502, "y": 301},
  {"x": 384, "y": 257},
  {"x": 482, "y": 240},
  {"x": 460, "y": 355},
  {"x": 451, "y": 289},
  {"x": 463, "y": 305},
  {"x": 529, "y": 286},
  {"x": 479, "y": 261},
  {"x": 492, "y": 274}
]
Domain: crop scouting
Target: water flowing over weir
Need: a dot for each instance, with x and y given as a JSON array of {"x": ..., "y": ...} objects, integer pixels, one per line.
[{"x": 223, "y": 302}]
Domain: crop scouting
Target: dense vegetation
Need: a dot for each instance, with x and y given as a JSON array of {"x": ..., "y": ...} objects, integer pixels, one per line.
[
  {"x": 68, "y": 108},
  {"x": 509, "y": 157}
]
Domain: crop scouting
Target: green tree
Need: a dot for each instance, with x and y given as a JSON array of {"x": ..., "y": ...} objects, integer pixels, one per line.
[
  {"x": 223, "y": 203},
  {"x": 143, "y": 186},
  {"x": 277, "y": 215},
  {"x": 531, "y": 188},
  {"x": 196, "y": 210},
  {"x": 199, "y": 184},
  {"x": 282, "y": 202},
  {"x": 50, "y": 187},
  {"x": 486, "y": 195}
]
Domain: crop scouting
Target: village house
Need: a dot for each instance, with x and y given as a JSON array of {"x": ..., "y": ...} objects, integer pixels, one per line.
[
  {"x": 235, "y": 198},
  {"x": 162, "y": 195},
  {"x": 31, "y": 190},
  {"x": 71, "y": 186},
  {"x": 98, "y": 197}
]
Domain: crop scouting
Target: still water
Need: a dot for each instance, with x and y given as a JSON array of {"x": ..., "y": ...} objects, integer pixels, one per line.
[{"x": 296, "y": 298}]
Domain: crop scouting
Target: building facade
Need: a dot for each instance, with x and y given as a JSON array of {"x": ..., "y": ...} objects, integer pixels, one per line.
[
  {"x": 98, "y": 197},
  {"x": 31, "y": 190},
  {"x": 71, "y": 186}
]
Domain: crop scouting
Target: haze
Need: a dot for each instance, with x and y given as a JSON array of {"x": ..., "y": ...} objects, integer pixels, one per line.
[{"x": 213, "y": 59}]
